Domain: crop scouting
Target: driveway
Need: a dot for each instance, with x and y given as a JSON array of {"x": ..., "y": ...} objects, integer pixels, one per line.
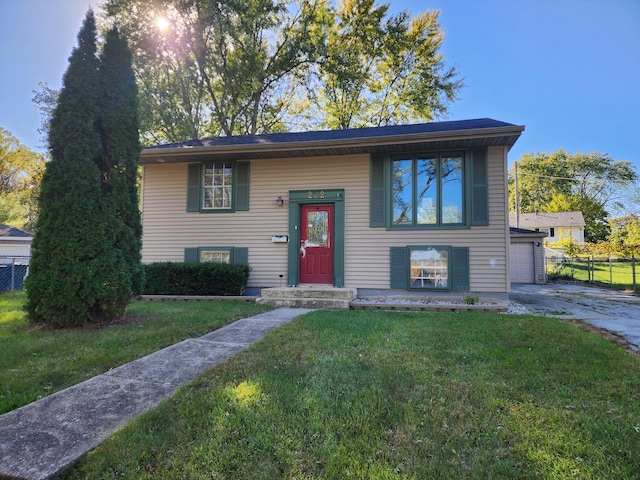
[{"x": 615, "y": 311}]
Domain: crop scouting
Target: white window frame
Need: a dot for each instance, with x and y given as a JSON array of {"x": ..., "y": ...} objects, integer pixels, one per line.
[
  {"x": 218, "y": 255},
  {"x": 430, "y": 273},
  {"x": 217, "y": 185}
]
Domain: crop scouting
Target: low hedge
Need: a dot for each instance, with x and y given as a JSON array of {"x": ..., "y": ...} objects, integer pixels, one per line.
[{"x": 170, "y": 278}]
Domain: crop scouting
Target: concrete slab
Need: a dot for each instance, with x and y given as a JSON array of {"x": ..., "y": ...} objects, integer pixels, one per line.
[
  {"x": 179, "y": 364},
  {"x": 249, "y": 330},
  {"x": 43, "y": 438},
  {"x": 618, "y": 312}
]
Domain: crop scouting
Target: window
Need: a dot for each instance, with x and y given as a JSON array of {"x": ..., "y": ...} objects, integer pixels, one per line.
[
  {"x": 434, "y": 190},
  {"x": 427, "y": 190},
  {"x": 429, "y": 267},
  {"x": 426, "y": 267},
  {"x": 232, "y": 255},
  {"x": 218, "y": 187},
  {"x": 214, "y": 256}
]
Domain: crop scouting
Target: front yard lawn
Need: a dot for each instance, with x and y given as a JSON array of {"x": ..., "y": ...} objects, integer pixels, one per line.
[
  {"x": 35, "y": 362},
  {"x": 377, "y": 395}
]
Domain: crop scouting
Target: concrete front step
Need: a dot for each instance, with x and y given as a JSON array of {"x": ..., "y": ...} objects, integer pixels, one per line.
[
  {"x": 308, "y": 297},
  {"x": 310, "y": 292},
  {"x": 323, "y": 303}
]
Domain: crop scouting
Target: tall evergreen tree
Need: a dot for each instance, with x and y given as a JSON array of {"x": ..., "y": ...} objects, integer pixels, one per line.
[
  {"x": 119, "y": 128},
  {"x": 76, "y": 276}
]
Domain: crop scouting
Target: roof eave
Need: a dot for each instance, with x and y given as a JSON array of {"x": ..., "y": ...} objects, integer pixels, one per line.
[{"x": 185, "y": 154}]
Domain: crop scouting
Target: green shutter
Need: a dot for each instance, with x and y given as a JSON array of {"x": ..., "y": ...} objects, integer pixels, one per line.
[
  {"x": 242, "y": 186},
  {"x": 479, "y": 188},
  {"x": 240, "y": 256},
  {"x": 193, "y": 187},
  {"x": 190, "y": 255},
  {"x": 398, "y": 267},
  {"x": 377, "y": 212},
  {"x": 460, "y": 268}
]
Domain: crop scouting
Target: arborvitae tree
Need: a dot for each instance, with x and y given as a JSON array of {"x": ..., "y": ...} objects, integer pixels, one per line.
[
  {"x": 75, "y": 275},
  {"x": 119, "y": 128}
]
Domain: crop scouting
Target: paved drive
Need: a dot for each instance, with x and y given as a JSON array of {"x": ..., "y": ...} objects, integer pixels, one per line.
[
  {"x": 615, "y": 311},
  {"x": 42, "y": 438}
]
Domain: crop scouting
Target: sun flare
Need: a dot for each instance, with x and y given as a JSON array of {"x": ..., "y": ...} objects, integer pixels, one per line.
[{"x": 162, "y": 23}]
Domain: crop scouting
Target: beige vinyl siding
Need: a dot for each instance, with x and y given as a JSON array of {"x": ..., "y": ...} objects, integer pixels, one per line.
[{"x": 168, "y": 228}]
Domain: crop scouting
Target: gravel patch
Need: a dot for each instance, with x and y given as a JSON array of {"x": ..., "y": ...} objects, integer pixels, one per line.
[
  {"x": 513, "y": 307},
  {"x": 516, "y": 308}
]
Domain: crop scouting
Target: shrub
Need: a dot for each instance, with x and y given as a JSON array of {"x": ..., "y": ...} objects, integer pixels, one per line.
[
  {"x": 85, "y": 264},
  {"x": 171, "y": 278},
  {"x": 471, "y": 299}
]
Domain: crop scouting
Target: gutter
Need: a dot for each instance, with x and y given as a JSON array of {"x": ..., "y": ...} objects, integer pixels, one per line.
[{"x": 150, "y": 153}]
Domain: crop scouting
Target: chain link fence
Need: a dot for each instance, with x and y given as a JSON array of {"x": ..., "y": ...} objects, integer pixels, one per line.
[
  {"x": 613, "y": 272},
  {"x": 13, "y": 271}
]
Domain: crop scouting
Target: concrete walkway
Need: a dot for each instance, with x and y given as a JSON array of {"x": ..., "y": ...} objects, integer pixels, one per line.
[
  {"x": 45, "y": 437},
  {"x": 618, "y": 312}
]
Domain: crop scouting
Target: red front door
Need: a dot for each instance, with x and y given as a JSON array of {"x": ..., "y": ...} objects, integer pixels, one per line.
[{"x": 316, "y": 244}]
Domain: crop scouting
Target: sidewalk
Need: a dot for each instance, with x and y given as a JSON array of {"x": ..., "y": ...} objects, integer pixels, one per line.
[{"x": 45, "y": 437}]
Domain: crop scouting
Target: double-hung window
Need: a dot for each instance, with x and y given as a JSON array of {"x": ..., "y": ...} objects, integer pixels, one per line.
[
  {"x": 427, "y": 190},
  {"x": 217, "y": 183},
  {"x": 218, "y": 186}
]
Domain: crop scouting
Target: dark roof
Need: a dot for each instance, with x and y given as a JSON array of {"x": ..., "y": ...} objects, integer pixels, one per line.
[
  {"x": 480, "y": 132},
  {"x": 8, "y": 231},
  {"x": 523, "y": 232},
  {"x": 327, "y": 135}
]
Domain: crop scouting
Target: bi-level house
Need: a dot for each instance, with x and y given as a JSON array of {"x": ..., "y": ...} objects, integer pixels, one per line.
[{"x": 388, "y": 209}]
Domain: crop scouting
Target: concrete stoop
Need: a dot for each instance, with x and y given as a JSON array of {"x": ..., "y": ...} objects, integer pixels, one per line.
[{"x": 325, "y": 297}]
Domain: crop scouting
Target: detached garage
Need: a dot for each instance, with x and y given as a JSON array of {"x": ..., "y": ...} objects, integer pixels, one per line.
[{"x": 527, "y": 256}]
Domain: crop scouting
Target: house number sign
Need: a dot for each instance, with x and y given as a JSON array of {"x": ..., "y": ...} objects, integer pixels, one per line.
[{"x": 315, "y": 194}]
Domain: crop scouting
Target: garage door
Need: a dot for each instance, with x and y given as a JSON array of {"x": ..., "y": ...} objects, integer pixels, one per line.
[{"x": 522, "y": 266}]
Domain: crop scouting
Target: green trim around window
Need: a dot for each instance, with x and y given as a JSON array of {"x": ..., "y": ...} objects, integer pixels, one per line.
[
  {"x": 333, "y": 197},
  {"x": 237, "y": 255},
  {"x": 457, "y": 268},
  {"x": 239, "y": 188},
  {"x": 475, "y": 203}
]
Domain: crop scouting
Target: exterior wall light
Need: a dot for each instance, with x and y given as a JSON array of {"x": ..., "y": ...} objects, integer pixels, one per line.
[{"x": 280, "y": 201}]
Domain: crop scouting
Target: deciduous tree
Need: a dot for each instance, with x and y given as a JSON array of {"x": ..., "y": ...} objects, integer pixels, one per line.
[
  {"x": 592, "y": 183},
  {"x": 382, "y": 69},
  {"x": 217, "y": 67},
  {"x": 45, "y": 100},
  {"x": 21, "y": 171},
  {"x": 625, "y": 230},
  {"x": 260, "y": 66}
]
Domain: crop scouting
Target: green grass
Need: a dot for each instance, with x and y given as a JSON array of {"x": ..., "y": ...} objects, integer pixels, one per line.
[
  {"x": 618, "y": 276},
  {"x": 377, "y": 395},
  {"x": 35, "y": 362}
]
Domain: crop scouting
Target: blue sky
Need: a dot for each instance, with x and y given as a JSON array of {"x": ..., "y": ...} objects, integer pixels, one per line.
[{"x": 569, "y": 70}]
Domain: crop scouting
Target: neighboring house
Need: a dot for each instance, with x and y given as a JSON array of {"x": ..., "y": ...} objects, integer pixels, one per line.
[
  {"x": 14, "y": 242},
  {"x": 414, "y": 207},
  {"x": 557, "y": 226},
  {"x": 15, "y": 250}
]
